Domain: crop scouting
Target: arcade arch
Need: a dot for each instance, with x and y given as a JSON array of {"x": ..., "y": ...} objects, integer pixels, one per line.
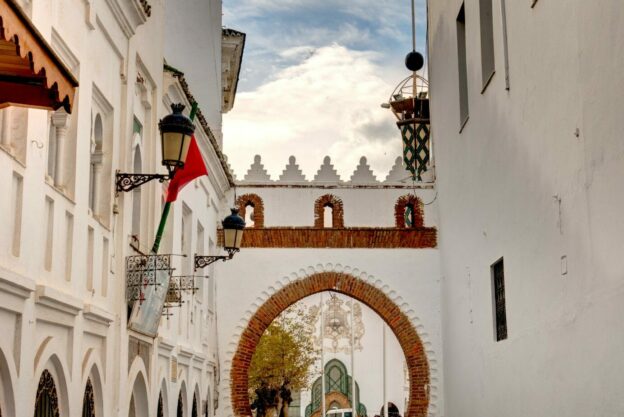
[
  {"x": 139, "y": 403},
  {"x": 7, "y": 405},
  {"x": 359, "y": 289}
]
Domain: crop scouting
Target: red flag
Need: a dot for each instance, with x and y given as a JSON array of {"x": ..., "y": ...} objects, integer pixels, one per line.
[{"x": 193, "y": 167}]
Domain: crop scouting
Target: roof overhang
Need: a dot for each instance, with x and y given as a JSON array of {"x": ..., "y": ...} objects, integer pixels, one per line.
[
  {"x": 31, "y": 74},
  {"x": 232, "y": 47}
]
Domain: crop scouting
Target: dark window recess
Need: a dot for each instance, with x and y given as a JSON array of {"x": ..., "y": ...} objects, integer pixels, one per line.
[
  {"x": 462, "y": 66},
  {"x": 88, "y": 404},
  {"x": 46, "y": 403},
  {"x": 498, "y": 276},
  {"x": 160, "y": 412},
  {"x": 487, "y": 41}
]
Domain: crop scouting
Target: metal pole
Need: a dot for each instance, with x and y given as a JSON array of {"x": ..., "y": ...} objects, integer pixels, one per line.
[
  {"x": 413, "y": 27},
  {"x": 413, "y": 48},
  {"x": 354, "y": 407},
  {"x": 385, "y": 399},
  {"x": 163, "y": 218},
  {"x": 322, "y": 359}
]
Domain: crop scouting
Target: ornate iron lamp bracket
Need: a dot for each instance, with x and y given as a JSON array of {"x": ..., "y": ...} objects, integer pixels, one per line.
[
  {"x": 127, "y": 182},
  {"x": 202, "y": 261}
]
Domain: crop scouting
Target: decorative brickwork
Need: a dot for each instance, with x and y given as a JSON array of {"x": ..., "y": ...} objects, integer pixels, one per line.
[
  {"x": 256, "y": 202},
  {"x": 352, "y": 237},
  {"x": 399, "y": 211},
  {"x": 328, "y": 200},
  {"x": 359, "y": 289},
  {"x": 334, "y": 397}
]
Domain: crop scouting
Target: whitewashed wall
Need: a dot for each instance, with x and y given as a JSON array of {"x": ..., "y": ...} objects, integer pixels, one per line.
[
  {"x": 535, "y": 175},
  {"x": 195, "y": 26}
]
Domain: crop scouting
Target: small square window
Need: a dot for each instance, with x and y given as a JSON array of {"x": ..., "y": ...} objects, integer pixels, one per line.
[{"x": 498, "y": 290}]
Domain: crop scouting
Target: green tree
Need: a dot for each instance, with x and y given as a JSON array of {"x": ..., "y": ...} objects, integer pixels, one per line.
[{"x": 285, "y": 350}]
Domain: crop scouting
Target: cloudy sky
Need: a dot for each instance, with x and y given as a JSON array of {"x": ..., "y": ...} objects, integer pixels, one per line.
[{"x": 314, "y": 75}]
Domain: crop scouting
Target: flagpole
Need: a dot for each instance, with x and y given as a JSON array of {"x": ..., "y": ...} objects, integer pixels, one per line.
[
  {"x": 165, "y": 213},
  {"x": 322, "y": 359},
  {"x": 353, "y": 393},
  {"x": 385, "y": 400}
]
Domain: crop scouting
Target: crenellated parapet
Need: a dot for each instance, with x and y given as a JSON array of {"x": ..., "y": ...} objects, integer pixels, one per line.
[{"x": 327, "y": 176}]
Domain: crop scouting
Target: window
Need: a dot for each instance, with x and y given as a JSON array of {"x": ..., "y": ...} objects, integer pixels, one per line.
[
  {"x": 104, "y": 270},
  {"x": 90, "y": 251},
  {"x": 69, "y": 244},
  {"x": 136, "y": 196},
  {"x": 462, "y": 67},
  {"x": 251, "y": 208},
  {"x": 328, "y": 214},
  {"x": 185, "y": 239},
  {"x": 49, "y": 233},
  {"x": 96, "y": 165},
  {"x": 17, "y": 194},
  {"x": 249, "y": 215},
  {"x": 88, "y": 403},
  {"x": 46, "y": 402},
  {"x": 408, "y": 212},
  {"x": 326, "y": 206},
  {"x": 58, "y": 147},
  {"x": 13, "y": 131},
  {"x": 498, "y": 287},
  {"x": 200, "y": 250},
  {"x": 487, "y": 42}
]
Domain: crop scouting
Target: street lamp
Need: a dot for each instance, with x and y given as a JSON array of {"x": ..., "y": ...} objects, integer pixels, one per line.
[
  {"x": 176, "y": 131},
  {"x": 233, "y": 226}
]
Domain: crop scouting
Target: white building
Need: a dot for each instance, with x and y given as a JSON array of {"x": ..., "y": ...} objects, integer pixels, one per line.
[
  {"x": 66, "y": 349},
  {"x": 527, "y": 113}
]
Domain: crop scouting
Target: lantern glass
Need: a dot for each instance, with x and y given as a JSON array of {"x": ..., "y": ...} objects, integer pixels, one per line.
[
  {"x": 232, "y": 238},
  {"x": 175, "y": 146}
]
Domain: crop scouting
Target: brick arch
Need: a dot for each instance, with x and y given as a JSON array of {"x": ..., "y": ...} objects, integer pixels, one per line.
[
  {"x": 337, "y": 213},
  {"x": 256, "y": 202},
  {"x": 347, "y": 284},
  {"x": 399, "y": 211}
]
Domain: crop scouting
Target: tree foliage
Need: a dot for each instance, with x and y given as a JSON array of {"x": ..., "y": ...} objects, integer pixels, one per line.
[{"x": 285, "y": 350}]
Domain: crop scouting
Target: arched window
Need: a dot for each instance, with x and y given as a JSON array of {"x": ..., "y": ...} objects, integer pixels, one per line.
[
  {"x": 326, "y": 206},
  {"x": 194, "y": 409},
  {"x": 46, "y": 404},
  {"x": 328, "y": 216},
  {"x": 88, "y": 404},
  {"x": 180, "y": 410},
  {"x": 408, "y": 212},
  {"x": 251, "y": 208},
  {"x": 160, "y": 412},
  {"x": 96, "y": 164}
]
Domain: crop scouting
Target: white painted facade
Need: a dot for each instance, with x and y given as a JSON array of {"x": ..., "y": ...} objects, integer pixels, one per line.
[
  {"x": 66, "y": 234},
  {"x": 535, "y": 176}
]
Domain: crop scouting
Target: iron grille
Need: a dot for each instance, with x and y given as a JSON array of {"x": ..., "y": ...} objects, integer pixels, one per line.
[
  {"x": 46, "y": 404},
  {"x": 88, "y": 404},
  {"x": 498, "y": 273}
]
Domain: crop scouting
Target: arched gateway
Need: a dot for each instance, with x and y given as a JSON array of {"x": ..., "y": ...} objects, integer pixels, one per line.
[{"x": 352, "y": 286}]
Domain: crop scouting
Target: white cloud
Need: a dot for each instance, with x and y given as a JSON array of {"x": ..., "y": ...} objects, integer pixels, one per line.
[{"x": 326, "y": 104}]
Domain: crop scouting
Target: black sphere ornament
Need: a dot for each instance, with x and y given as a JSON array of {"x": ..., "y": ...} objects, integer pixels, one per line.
[{"x": 414, "y": 61}]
